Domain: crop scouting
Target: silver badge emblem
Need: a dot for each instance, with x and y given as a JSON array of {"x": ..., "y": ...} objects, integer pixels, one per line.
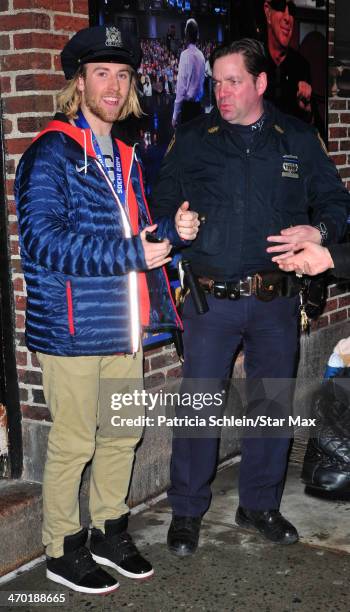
[
  {"x": 290, "y": 166},
  {"x": 113, "y": 37}
]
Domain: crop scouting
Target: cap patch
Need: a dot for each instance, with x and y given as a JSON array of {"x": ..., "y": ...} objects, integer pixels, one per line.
[{"x": 113, "y": 37}]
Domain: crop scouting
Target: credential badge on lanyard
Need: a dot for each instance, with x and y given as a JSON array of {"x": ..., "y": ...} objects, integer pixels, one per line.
[{"x": 118, "y": 174}]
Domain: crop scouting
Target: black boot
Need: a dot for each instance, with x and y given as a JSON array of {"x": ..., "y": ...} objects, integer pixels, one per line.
[
  {"x": 183, "y": 535},
  {"x": 116, "y": 549},
  {"x": 77, "y": 570}
]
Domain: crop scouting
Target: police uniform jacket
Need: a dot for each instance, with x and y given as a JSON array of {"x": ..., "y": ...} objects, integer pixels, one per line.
[
  {"x": 340, "y": 254},
  {"x": 245, "y": 194}
]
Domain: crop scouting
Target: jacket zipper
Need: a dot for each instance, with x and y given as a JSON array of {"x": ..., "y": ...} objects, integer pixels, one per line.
[
  {"x": 177, "y": 318},
  {"x": 246, "y": 211},
  {"x": 70, "y": 308},
  {"x": 132, "y": 276}
]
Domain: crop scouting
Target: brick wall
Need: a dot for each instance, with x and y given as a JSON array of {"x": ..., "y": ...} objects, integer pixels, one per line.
[
  {"x": 338, "y": 303},
  {"x": 32, "y": 33}
]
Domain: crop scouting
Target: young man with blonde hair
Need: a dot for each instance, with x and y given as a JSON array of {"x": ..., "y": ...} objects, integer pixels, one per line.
[{"x": 93, "y": 282}]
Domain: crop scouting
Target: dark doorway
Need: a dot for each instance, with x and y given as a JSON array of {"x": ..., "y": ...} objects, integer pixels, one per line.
[{"x": 10, "y": 464}]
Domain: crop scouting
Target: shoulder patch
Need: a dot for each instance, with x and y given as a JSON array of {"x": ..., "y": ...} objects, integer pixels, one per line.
[
  {"x": 322, "y": 143},
  {"x": 214, "y": 129},
  {"x": 170, "y": 145},
  {"x": 278, "y": 129}
]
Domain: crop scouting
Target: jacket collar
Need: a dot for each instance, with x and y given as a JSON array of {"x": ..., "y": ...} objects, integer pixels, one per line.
[
  {"x": 81, "y": 136},
  {"x": 216, "y": 125},
  {"x": 270, "y": 117},
  {"x": 61, "y": 123}
]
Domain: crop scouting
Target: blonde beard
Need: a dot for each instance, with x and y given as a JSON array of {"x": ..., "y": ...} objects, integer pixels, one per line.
[{"x": 104, "y": 115}]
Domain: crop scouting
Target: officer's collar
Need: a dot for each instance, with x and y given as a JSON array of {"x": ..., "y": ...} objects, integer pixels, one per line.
[
  {"x": 268, "y": 118},
  {"x": 253, "y": 128}
]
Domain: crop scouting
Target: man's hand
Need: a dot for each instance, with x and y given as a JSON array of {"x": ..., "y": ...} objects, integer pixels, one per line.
[
  {"x": 186, "y": 222},
  {"x": 304, "y": 96},
  {"x": 310, "y": 258},
  {"x": 155, "y": 252},
  {"x": 291, "y": 236}
]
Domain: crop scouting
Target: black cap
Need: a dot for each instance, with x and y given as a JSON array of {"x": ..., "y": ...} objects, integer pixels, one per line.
[{"x": 100, "y": 44}]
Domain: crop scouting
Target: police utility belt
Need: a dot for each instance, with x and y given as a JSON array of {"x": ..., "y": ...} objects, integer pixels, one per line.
[{"x": 264, "y": 285}]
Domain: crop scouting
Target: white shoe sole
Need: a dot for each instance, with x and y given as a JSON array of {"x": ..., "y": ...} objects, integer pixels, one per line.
[
  {"x": 75, "y": 587},
  {"x": 123, "y": 572}
]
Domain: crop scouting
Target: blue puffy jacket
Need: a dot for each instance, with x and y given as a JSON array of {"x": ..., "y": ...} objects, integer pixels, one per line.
[{"x": 79, "y": 256}]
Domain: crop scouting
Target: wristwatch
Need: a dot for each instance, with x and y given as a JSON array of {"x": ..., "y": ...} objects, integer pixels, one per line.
[{"x": 323, "y": 231}]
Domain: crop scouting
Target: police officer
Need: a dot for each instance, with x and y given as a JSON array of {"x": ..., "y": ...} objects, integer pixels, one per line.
[{"x": 249, "y": 171}]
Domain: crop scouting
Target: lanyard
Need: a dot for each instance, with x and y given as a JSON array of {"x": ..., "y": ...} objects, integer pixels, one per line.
[{"x": 118, "y": 175}]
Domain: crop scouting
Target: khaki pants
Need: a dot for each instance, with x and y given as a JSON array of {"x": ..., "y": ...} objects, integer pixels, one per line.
[{"x": 71, "y": 388}]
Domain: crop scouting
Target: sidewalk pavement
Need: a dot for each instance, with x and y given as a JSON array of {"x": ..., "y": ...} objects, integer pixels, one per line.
[{"x": 233, "y": 570}]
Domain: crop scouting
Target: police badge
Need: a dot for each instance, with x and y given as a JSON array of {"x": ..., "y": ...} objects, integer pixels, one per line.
[
  {"x": 290, "y": 166},
  {"x": 113, "y": 37}
]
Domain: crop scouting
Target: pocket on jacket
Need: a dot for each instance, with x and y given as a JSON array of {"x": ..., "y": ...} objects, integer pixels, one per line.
[
  {"x": 70, "y": 311},
  {"x": 214, "y": 235}
]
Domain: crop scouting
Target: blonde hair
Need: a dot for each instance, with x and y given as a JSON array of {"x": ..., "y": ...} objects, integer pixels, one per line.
[{"x": 69, "y": 98}]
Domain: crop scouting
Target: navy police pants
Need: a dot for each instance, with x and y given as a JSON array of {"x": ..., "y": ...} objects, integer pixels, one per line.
[{"x": 269, "y": 333}]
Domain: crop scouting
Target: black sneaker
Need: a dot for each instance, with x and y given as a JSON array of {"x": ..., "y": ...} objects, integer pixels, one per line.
[
  {"x": 116, "y": 549},
  {"x": 77, "y": 570}
]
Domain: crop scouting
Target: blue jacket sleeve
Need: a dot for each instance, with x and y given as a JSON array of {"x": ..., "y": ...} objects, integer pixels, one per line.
[{"x": 47, "y": 235}]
